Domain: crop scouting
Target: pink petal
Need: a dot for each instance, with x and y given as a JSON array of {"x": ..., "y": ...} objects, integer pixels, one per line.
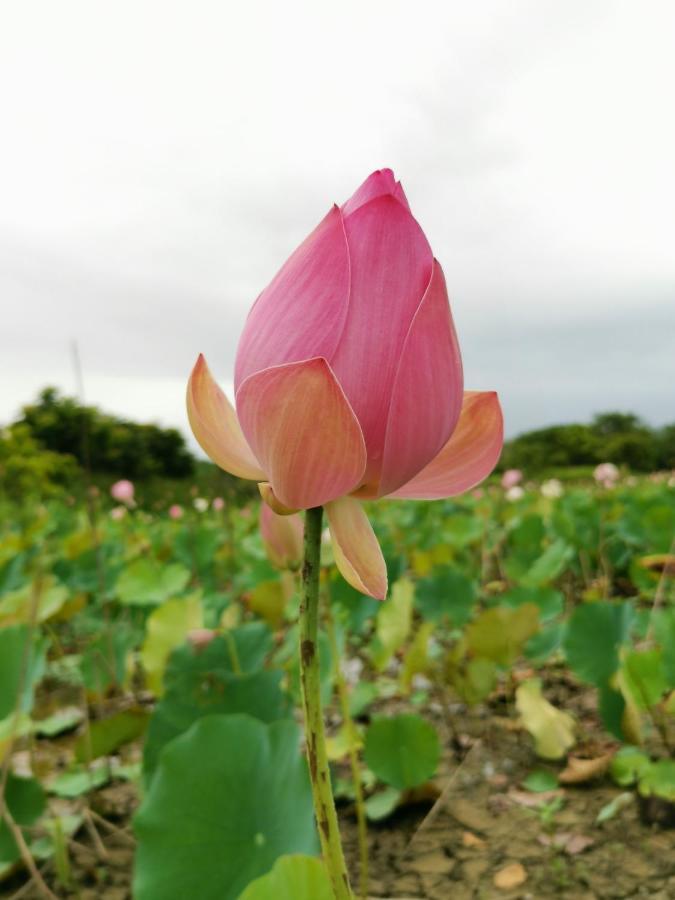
[
  {"x": 214, "y": 424},
  {"x": 282, "y": 537},
  {"x": 427, "y": 395},
  {"x": 399, "y": 193},
  {"x": 376, "y": 185},
  {"x": 468, "y": 457},
  {"x": 391, "y": 265},
  {"x": 302, "y": 428},
  {"x": 357, "y": 552},
  {"x": 301, "y": 313}
]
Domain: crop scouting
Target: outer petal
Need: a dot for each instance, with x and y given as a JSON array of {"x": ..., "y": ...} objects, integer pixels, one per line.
[
  {"x": 357, "y": 553},
  {"x": 468, "y": 457},
  {"x": 282, "y": 537},
  {"x": 214, "y": 424},
  {"x": 302, "y": 428},
  {"x": 391, "y": 266},
  {"x": 427, "y": 396},
  {"x": 301, "y": 313},
  {"x": 379, "y": 183}
]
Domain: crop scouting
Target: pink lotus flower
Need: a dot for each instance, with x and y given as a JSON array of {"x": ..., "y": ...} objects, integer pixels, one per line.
[
  {"x": 175, "y": 511},
  {"x": 511, "y": 478},
  {"x": 123, "y": 492},
  {"x": 348, "y": 381},
  {"x": 218, "y": 504},
  {"x": 282, "y": 537},
  {"x": 606, "y": 474}
]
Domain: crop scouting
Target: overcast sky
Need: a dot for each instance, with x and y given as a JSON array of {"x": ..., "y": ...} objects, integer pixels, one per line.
[{"x": 159, "y": 161}]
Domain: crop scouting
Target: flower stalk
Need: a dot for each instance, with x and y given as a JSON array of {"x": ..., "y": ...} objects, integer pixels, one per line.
[{"x": 317, "y": 758}]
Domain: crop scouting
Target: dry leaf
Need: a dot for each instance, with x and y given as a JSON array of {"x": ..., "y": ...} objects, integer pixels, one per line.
[
  {"x": 532, "y": 801},
  {"x": 578, "y": 771},
  {"x": 469, "y": 839},
  {"x": 510, "y": 876}
]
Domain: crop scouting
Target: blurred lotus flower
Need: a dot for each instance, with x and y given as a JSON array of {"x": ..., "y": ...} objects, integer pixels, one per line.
[
  {"x": 348, "y": 381},
  {"x": 515, "y": 493},
  {"x": 511, "y": 478},
  {"x": 199, "y": 638},
  {"x": 552, "y": 489},
  {"x": 175, "y": 511},
  {"x": 201, "y": 504},
  {"x": 606, "y": 474},
  {"x": 123, "y": 492},
  {"x": 218, "y": 504},
  {"x": 117, "y": 513},
  {"x": 282, "y": 537}
]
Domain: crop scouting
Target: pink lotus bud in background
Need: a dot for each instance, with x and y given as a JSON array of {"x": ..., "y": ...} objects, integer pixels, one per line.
[
  {"x": 511, "y": 478},
  {"x": 117, "y": 513},
  {"x": 282, "y": 537},
  {"x": 175, "y": 511},
  {"x": 606, "y": 474},
  {"x": 123, "y": 492},
  {"x": 552, "y": 489},
  {"x": 199, "y": 638},
  {"x": 218, "y": 504},
  {"x": 349, "y": 382}
]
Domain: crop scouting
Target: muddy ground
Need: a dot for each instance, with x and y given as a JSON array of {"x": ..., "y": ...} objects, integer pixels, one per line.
[{"x": 477, "y": 833}]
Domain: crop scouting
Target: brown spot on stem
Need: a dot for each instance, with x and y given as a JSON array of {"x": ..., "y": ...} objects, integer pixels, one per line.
[{"x": 307, "y": 650}]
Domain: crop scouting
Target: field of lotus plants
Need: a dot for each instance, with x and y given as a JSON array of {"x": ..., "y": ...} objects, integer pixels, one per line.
[{"x": 502, "y": 724}]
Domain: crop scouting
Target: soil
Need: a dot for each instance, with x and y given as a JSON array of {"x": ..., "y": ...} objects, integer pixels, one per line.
[{"x": 476, "y": 834}]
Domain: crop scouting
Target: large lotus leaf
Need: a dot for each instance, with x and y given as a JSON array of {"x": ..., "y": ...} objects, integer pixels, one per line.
[
  {"x": 146, "y": 582},
  {"x": 403, "y": 751},
  {"x": 240, "y": 651},
  {"x": 16, "y": 672},
  {"x": 229, "y": 797},
  {"x": 594, "y": 634},
  {"x": 446, "y": 594},
  {"x": 259, "y": 694},
  {"x": 292, "y": 878}
]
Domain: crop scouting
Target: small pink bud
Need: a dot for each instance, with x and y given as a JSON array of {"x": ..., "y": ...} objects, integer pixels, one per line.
[
  {"x": 175, "y": 511},
  {"x": 511, "y": 478},
  {"x": 117, "y": 513},
  {"x": 123, "y": 491},
  {"x": 218, "y": 504}
]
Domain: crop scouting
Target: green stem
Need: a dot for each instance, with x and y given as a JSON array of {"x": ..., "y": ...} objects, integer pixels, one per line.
[
  {"x": 324, "y": 805},
  {"x": 348, "y": 724}
]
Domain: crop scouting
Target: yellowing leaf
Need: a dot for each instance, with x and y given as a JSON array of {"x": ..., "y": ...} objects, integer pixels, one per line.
[
  {"x": 166, "y": 628},
  {"x": 552, "y": 730},
  {"x": 416, "y": 660},
  {"x": 339, "y": 745},
  {"x": 46, "y": 593},
  {"x": 394, "y": 619},
  {"x": 267, "y": 599},
  {"x": 422, "y": 562},
  {"x": 499, "y": 634}
]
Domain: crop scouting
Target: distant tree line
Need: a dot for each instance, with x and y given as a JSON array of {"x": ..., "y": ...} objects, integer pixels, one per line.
[
  {"x": 621, "y": 438},
  {"x": 58, "y": 435}
]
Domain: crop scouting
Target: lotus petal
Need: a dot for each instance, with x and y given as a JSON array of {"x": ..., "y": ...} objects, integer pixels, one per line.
[
  {"x": 214, "y": 424},
  {"x": 468, "y": 457},
  {"x": 428, "y": 390},
  {"x": 302, "y": 428},
  {"x": 356, "y": 549}
]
